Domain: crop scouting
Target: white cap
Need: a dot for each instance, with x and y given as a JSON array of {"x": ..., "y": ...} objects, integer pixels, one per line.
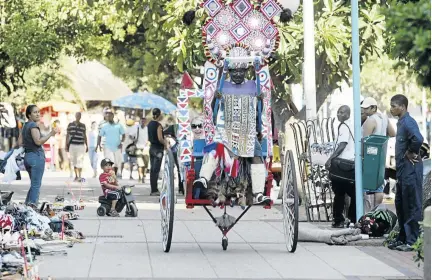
[{"x": 368, "y": 102}]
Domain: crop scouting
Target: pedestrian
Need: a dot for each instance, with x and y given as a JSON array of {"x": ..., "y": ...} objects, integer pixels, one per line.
[
  {"x": 341, "y": 170},
  {"x": 409, "y": 175},
  {"x": 104, "y": 121},
  {"x": 157, "y": 146},
  {"x": 114, "y": 134},
  {"x": 142, "y": 151},
  {"x": 32, "y": 140},
  {"x": 62, "y": 160},
  {"x": 77, "y": 145},
  {"x": 130, "y": 138},
  {"x": 375, "y": 124},
  {"x": 93, "y": 135}
]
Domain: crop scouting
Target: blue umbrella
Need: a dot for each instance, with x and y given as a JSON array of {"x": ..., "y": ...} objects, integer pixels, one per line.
[{"x": 145, "y": 101}]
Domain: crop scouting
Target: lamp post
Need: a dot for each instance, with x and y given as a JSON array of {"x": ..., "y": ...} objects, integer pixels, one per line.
[
  {"x": 356, "y": 94},
  {"x": 309, "y": 87}
]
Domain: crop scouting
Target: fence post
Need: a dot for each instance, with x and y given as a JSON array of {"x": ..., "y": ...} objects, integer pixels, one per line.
[{"x": 427, "y": 243}]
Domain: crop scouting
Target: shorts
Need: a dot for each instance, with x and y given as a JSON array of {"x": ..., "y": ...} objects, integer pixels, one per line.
[
  {"x": 115, "y": 156},
  {"x": 77, "y": 153},
  {"x": 127, "y": 158},
  {"x": 112, "y": 195},
  {"x": 142, "y": 159}
]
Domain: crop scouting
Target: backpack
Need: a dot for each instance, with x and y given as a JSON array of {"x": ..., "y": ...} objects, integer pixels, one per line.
[{"x": 377, "y": 222}]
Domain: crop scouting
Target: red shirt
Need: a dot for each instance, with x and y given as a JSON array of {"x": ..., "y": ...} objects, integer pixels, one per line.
[{"x": 109, "y": 179}]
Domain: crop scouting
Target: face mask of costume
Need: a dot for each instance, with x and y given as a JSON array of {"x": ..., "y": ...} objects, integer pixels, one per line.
[{"x": 237, "y": 75}]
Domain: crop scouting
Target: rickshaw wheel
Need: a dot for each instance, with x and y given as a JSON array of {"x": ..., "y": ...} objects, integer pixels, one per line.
[
  {"x": 167, "y": 201},
  {"x": 290, "y": 202}
]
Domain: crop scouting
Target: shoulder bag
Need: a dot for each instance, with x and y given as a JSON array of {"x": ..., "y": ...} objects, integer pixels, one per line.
[{"x": 342, "y": 170}]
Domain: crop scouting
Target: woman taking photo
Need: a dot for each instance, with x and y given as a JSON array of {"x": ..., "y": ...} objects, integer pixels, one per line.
[
  {"x": 32, "y": 140},
  {"x": 156, "y": 139}
]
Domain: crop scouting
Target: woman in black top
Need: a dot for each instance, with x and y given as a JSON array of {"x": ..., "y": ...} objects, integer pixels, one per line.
[
  {"x": 32, "y": 140},
  {"x": 156, "y": 139}
]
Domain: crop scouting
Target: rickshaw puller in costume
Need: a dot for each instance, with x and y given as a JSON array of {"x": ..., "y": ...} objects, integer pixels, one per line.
[{"x": 237, "y": 86}]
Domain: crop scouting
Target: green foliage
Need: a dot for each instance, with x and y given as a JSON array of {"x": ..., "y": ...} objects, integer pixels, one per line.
[
  {"x": 34, "y": 34},
  {"x": 409, "y": 27},
  {"x": 380, "y": 80},
  {"x": 418, "y": 249}
]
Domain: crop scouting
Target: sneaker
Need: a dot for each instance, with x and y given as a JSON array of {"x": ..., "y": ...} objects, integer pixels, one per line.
[
  {"x": 113, "y": 213},
  {"x": 201, "y": 183},
  {"x": 155, "y": 194},
  {"x": 405, "y": 248},
  {"x": 395, "y": 244},
  {"x": 259, "y": 198}
]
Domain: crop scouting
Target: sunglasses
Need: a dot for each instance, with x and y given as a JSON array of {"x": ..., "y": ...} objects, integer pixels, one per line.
[{"x": 196, "y": 126}]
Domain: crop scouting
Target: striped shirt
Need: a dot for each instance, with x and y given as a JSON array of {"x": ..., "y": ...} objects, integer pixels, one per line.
[{"x": 77, "y": 133}]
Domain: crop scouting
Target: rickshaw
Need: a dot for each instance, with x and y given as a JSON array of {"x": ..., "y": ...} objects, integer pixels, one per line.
[{"x": 236, "y": 36}]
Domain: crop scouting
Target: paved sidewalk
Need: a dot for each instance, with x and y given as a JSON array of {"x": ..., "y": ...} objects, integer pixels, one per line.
[{"x": 127, "y": 248}]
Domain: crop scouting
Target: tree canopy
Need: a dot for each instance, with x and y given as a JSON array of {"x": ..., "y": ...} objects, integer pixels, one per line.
[
  {"x": 409, "y": 28},
  {"x": 34, "y": 34},
  {"x": 380, "y": 80},
  {"x": 145, "y": 43}
]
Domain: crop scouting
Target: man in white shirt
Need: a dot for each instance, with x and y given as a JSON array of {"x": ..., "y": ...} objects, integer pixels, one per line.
[
  {"x": 142, "y": 149},
  {"x": 345, "y": 150}
]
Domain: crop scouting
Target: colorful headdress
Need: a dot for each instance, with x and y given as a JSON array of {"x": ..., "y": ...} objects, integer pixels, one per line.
[{"x": 247, "y": 22}]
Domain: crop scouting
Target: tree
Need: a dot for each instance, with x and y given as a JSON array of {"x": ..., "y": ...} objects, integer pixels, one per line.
[
  {"x": 409, "y": 28},
  {"x": 33, "y": 35},
  {"x": 381, "y": 81}
]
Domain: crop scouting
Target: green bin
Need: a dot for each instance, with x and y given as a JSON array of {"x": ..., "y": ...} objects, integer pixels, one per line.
[{"x": 374, "y": 161}]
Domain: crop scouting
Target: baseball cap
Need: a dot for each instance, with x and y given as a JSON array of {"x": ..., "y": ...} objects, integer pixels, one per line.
[
  {"x": 105, "y": 162},
  {"x": 368, "y": 102}
]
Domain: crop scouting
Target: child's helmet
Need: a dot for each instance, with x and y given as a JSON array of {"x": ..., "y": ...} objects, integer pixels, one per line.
[{"x": 105, "y": 162}]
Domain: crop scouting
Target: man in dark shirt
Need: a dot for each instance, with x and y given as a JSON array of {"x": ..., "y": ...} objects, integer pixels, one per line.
[
  {"x": 76, "y": 144},
  {"x": 409, "y": 175},
  {"x": 157, "y": 146},
  {"x": 171, "y": 132}
]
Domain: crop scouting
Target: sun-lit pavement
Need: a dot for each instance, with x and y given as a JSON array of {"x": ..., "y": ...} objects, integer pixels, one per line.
[{"x": 127, "y": 248}]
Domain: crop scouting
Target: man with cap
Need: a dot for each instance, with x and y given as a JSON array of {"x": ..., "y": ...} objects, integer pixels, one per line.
[{"x": 375, "y": 124}]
